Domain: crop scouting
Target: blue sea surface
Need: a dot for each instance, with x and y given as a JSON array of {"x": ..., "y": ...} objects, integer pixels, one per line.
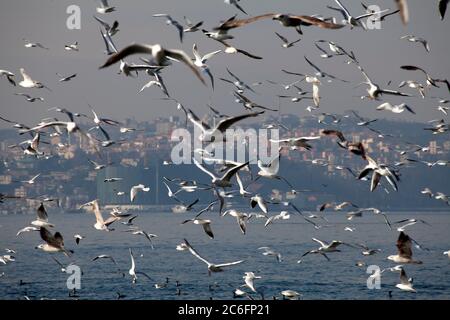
[{"x": 36, "y": 275}]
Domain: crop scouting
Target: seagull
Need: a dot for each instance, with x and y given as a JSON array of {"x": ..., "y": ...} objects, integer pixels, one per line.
[
  {"x": 212, "y": 267},
  {"x": 404, "y": 254},
  {"x": 443, "y": 109},
  {"x": 111, "y": 30},
  {"x": 248, "y": 279},
  {"x": 288, "y": 20},
  {"x": 129, "y": 222},
  {"x": 320, "y": 73},
  {"x": 324, "y": 248},
  {"x": 132, "y": 272},
  {"x": 349, "y": 19},
  {"x": 32, "y": 180},
  {"x": 139, "y": 232},
  {"x": 238, "y": 83},
  {"x": 258, "y": 200},
  {"x": 66, "y": 78},
  {"x": 26, "y": 229},
  {"x": 100, "y": 224},
  {"x": 135, "y": 189},
  {"x": 27, "y": 82},
  {"x": 192, "y": 27},
  {"x": 447, "y": 253},
  {"x": 248, "y": 104},
  {"x": 271, "y": 170},
  {"x": 206, "y": 224},
  {"x": 270, "y": 252},
  {"x": 170, "y": 21},
  {"x": 297, "y": 142},
  {"x": 233, "y": 50},
  {"x": 29, "y": 44},
  {"x": 200, "y": 61},
  {"x": 241, "y": 218},
  {"x": 378, "y": 171},
  {"x": 362, "y": 121},
  {"x": 42, "y": 218},
  {"x": 71, "y": 47},
  {"x": 236, "y": 4},
  {"x": 286, "y": 44},
  {"x": 412, "y": 38},
  {"x": 406, "y": 284},
  {"x": 78, "y": 238},
  {"x": 367, "y": 251},
  {"x": 283, "y": 215},
  {"x": 97, "y": 166},
  {"x": 159, "y": 55},
  {"x": 395, "y": 108},
  {"x": 217, "y": 132},
  {"x": 430, "y": 80},
  {"x": 53, "y": 243},
  {"x": 112, "y": 179},
  {"x": 29, "y": 98},
  {"x": 9, "y": 76},
  {"x": 105, "y": 7},
  {"x": 409, "y": 222},
  {"x": 375, "y": 91},
  {"x": 428, "y": 192},
  {"x": 171, "y": 194},
  {"x": 290, "y": 294},
  {"x": 223, "y": 181}
]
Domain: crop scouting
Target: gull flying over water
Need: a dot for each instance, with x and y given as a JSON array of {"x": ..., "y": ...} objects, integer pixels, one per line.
[
  {"x": 206, "y": 224},
  {"x": 100, "y": 223},
  {"x": 200, "y": 61},
  {"x": 349, "y": 19},
  {"x": 412, "y": 38},
  {"x": 53, "y": 242},
  {"x": 223, "y": 181},
  {"x": 212, "y": 267},
  {"x": 404, "y": 246},
  {"x": 28, "y": 97},
  {"x": 395, "y": 108},
  {"x": 42, "y": 217},
  {"x": 135, "y": 189},
  {"x": 406, "y": 284},
  {"x": 27, "y": 82},
  {"x": 286, "y": 43}
]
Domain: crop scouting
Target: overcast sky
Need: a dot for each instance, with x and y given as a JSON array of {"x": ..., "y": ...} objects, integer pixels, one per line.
[{"x": 380, "y": 52}]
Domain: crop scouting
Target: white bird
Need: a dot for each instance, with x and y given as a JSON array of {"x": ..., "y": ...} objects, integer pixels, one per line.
[
  {"x": 9, "y": 76},
  {"x": 283, "y": 215},
  {"x": 29, "y": 44},
  {"x": 32, "y": 180},
  {"x": 66, "y": 78},
  {"x": 200, "y": 61},
  {"x": 206, "y": 224},
  {"x": 241, "y": 218},
  {"x": 28, "y": 97},
  {"x": 258, "y": 200},
  {"x": 26, "y": 229},
  {"x": 395, "y": 108},
  {"x": 404, "y": 246},
  {"x": 353, "y": 21},
  {"x": 447, "y": 253},
  {"x": 248, "y": 279},
  {"x": 217, "y": 132},
  {"x": 443, "y": 109},
  {"x": 53, "y": 243},
  {"x": 160, "y": 56},
  {"x": 138, "y": 188},
  {"x": 375, "y": 91},
  {"x": 138, "y": 232},
  {"x": 286, "y": 44},
  {"x": 270, "y": 252},
  {"x": 27, "y": 82},
  {"x": 100, "y": 224},
  {"x": 78, "y": 238},
  {"x": 42, "y": 218},
  {"x": 223, "y": 181},
  {"x": 290, "y": 294},
  {"x": 105, "y": 7},
  {"x": 428, "y": 192},
  {"x": 236, "y": 4},
  {"x": 173, "y": 22},
  {"x": 297, "y": 142},
  {"x": 406, "y": 284},
  {"x": 212, "y": 267},
  {"x": 71, "y": 47},
  {"x": 412, "y": 38}
]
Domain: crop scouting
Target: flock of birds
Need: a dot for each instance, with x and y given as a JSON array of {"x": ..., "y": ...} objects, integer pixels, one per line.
[{"x": 155, "y": 59}]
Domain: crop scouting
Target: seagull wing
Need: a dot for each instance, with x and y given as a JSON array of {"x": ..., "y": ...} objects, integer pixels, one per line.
[
  {"x": 203, "y": 169},
  {"x": 229, "y": 264},
  {"x": 195, "y": 253},
  {"x": 226, "y": 123},
  {"x": 182, "y": 56}
]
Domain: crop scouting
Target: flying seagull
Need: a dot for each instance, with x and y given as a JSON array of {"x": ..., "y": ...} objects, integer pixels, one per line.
[
  {"x": 160, "y": 56},
  {"x": 53, "y": 242},
  {"x": 404, "y": 246},
  {"x": 171, "y": 21},
  {"x": 212, "y": 267}
]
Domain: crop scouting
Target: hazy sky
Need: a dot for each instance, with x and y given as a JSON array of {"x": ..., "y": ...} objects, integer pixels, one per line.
[{"x": 380, "y": 52}]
